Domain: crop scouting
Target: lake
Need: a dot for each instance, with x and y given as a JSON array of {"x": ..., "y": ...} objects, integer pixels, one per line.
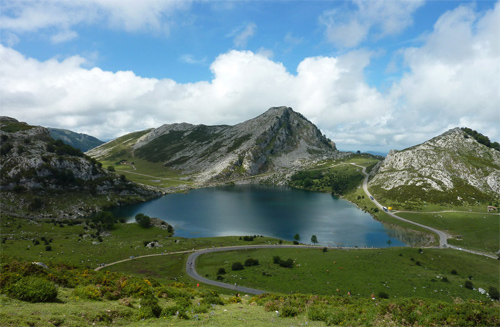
[{"x": 265, "y": 210}]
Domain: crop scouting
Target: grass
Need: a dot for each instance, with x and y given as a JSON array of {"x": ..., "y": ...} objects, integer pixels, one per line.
[
  {"x": 150, "y": 173},
  {"x": 362, "y": 272},
  {"x": 477, "y": 231},
  {"x": 125, "y": 240}
]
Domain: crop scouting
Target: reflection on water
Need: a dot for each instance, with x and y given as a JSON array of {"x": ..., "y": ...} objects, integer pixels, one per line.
[
  {"x": 271, "y": 211},
  {"x": 411, "y": 238}
]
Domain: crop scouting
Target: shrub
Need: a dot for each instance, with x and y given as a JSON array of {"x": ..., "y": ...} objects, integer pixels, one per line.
[
  {"x": 251, "y": 262},
  {"x": 89, "y": 292},
  {"x": 237, "y": 266},
  {"x": 469, "y": 285},
  {"x": 445, "y": 279},
  {"x": 143, "y": 220},
  {"x": 276, "y": 259},
  {"x": 286, "y": 264},
  {"x": 248, "y": 238},
  {"x": 221, "y": 271},
  {"x": 149, "y": 307},
  {"x": 325, "y": 249},
  {"x": 493, "y": 292},
  {"x": 234, "y": 299},
  {"x": 220, "y": 278},
  {"x": 48, "y": 248},
  {"x": 295, "y": 242},
  {"x": 383, "y": 295},
  {"x": 33, "y": 289},
  {"x": 317, "y": 313},
  {"x": 289, "y": 311},
  {"x": 454, "y": 272}
]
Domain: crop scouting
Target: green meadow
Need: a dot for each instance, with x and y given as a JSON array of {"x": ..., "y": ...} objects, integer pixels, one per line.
[{"x": 438, "y": 274}]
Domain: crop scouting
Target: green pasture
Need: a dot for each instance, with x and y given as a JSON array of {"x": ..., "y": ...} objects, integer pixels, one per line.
[
  {"x": 400, "y": 272},
  {"x": 476, "y": 231},
  {"x": 75, "y": 245},
  {"x": 149, "y": 173}
]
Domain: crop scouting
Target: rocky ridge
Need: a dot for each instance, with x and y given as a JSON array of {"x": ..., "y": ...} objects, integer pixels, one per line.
[
  {"x": 444, "y": 163},
  {"x": 278, "y": 140},
  {"x": 33, "y": 165}
]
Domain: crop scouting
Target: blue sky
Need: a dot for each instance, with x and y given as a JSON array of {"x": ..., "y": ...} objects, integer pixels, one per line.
[{"x": 373, "y": 75}]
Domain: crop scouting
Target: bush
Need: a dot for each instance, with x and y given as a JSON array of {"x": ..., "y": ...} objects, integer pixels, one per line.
[
  {"x": 221, "y": 271},
  {"x": 454, "y": 272},
  {"x": 251, "y": 262},
  {"x": 383, "y": 295},
  {"x": 295, "y": 242},
  {"x": 276, "y": 259},
  {"x": 289, "y": 311},
  {"x": 494, "y": 294},
  {"x": 469, "y": 285},
  {"x": 89, "y": 292},
  {"x": 325, "y": 249},
  {"x": 143, "y": 220},
  {"x": 33, "y": 289},
  {"x": 286, "y": 264},
  {"x": 237, "y": 266},
  {"x": 149, "y": 307},
  {"x": 48, "y": 248},
  {"x": 248, "y": 238}
]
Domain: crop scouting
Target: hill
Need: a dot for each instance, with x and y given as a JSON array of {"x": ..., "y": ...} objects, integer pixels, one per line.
[
  {"x": 80, "y": 141},
  {"x": 450, "y": 169},
  {"x": 35, "y": 168},
  {"x": 275, "y": 141}
]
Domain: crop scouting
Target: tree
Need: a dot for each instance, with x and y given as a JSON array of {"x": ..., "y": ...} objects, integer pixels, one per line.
[
  {"x": 143, "y": 220},
  {"x": 105, "y": 218},
  {"x": 314, "y": 239},
  {"x": 297, "y": 237}
]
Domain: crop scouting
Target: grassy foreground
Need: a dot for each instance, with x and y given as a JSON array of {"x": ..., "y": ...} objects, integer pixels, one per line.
[{"x": 399, "y": 272}]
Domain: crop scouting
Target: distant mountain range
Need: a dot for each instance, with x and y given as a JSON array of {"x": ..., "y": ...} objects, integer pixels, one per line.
[
  {"x": 458, "y": 166},
  {"x": 80, "y": 141},
  {"x": 275, "y": 141}
]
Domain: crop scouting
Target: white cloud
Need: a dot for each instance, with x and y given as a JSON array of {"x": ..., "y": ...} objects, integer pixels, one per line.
[
  {"x": 380, "y": 17},
  {"x": 64, "y": 36},
  {"x": 242, "y": 35},
  {"x": 34, "y": 15},
  {"x": 191, "y": 59},
  {"x": 451, "y": 80}
]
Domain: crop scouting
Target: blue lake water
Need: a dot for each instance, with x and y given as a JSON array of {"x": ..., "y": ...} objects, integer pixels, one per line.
[{"x": 271, "y": 211}]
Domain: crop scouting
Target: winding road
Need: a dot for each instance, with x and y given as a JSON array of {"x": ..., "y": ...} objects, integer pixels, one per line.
[{"x": 191, "y": 260}]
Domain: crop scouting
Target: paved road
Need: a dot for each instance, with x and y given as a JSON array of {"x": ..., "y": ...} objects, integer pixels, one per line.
[
  {"x": 443, "y": 237},
  {"x": 191, "y": 265}
]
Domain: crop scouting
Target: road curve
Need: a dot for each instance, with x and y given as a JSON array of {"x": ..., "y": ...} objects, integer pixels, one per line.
[
  {"x": 443, "y": 237},
  {"x": 191, "y": 265}
]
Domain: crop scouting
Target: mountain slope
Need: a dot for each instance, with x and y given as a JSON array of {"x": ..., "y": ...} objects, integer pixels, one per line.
[
  {"x": 80, "y": 141},
  {"x": 33, "y": 165},
  {"x": 278, "y": 139},
  {"x": 452, "y": 168}
]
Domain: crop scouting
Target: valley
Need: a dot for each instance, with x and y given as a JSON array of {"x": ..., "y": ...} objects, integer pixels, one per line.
[{"x": 53, "y": 195}]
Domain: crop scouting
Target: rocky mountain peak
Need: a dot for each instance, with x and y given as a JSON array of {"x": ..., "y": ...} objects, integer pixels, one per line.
[
  {"x": 452, "y": 162},
  {"x": 280, "y": 138}
]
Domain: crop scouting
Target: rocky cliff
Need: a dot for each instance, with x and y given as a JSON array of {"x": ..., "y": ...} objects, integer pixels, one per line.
[
  {"x": 278, "y": 139},
  {"x": 452, "y": 167},
  {"x": 35, "y": 165}
]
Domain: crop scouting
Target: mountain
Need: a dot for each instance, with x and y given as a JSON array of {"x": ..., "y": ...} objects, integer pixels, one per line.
[
  {"x": 80, "y": 141},
  {"x": 452, "y": 168},
  {"x": 277, "y": 140},
  {"x": 35, "y": 166}
]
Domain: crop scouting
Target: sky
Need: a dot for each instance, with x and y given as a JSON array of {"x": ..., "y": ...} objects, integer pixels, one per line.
[{"x": 372, "y": 75}]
